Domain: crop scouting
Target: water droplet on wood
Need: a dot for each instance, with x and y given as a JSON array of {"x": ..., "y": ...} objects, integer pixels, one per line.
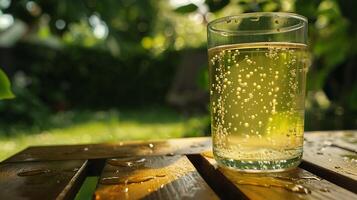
[
  {"x": 349, "y": 157},
  {"x": 326, "y": 143},
  {"x": 311, "y": 178},
  {"x": 286, "y": 183},
  {"x": 324, "y": 190},
  {"x": 208, "y": 154},
  {"x": 111, "y": 181},
  {"x": 140, "y": 179},
  {"x": 299, "y": 189},
  {"x": 132, "y": 180},
  {"x": 194, "y": 145},
  {"x": 33, "y": 172},
  {"x": 126, "y": 162}
]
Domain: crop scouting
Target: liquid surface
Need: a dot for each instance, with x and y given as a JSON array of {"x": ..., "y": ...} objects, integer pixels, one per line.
[{"x": 257, "y": 104}]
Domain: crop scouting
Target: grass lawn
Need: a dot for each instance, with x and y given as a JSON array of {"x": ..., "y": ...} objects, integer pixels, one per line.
[{"x": 79, "y": 127}]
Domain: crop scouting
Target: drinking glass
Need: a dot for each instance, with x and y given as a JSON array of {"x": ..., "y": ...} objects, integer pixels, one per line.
[{"x": 257, "y": 75}]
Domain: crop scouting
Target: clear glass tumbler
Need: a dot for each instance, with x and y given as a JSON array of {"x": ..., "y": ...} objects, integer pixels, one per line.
[{"x": 257, "y": 72}]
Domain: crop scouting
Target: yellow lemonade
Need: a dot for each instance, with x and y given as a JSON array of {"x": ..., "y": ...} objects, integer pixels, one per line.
[{"x": 257, "y": 93}]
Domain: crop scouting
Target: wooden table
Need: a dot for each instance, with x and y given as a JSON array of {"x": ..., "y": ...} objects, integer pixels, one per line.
[{"x": 178, "y": 169}]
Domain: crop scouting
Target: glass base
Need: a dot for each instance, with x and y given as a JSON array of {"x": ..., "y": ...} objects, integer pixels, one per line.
[{"x": 259, "y": 166}]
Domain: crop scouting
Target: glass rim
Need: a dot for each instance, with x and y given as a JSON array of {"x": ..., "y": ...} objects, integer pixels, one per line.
[{"x": 257, "y": 32}]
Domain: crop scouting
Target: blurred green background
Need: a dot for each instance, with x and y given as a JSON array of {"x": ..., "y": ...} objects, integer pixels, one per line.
[{"x": 89, "y": 71}]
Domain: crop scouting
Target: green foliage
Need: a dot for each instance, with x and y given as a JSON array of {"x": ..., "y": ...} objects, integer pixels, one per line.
[
  {"x": 72, "y": 67},
  {"x": 186, "y": 8},
  {"x": 113, "y": 125},
  {"x": 215, "y": 5},
  {"x": 332, "y": 40},
  {"x": 120, "y": 52},
  {"x": 329, "y": 38},
  {"x": 26, "y": 108},
  {"x": 82, "y": 77},
  {"x": 353, "y": 98},
  {"x": 127, "y": 21},
  {"x": 203, "y": 78},
  {"x": 308, "y": 8},
  {"x": 5, "y": 91}
]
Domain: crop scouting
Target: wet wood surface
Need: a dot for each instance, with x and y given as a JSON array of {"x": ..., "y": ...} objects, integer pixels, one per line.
[
  {"x": 112, "y": 150},
  {"x": 178, "y": 169},
  {"x": 156, "y": 177},
  {"x": 293, "y": 184},
  {"x": 41, "y": 180},
  {"x": 324, "y": 157},
  {"x": 343, "y": 139}
]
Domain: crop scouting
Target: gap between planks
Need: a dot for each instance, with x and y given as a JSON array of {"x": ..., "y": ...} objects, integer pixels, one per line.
[
  {"x": 154, "y": 177},
  {"x": 324, "y": 158},
  {"x": 232, "y": 184}
]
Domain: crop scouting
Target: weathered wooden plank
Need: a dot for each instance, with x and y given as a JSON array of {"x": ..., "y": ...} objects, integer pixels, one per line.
[
  {"x": 41, "y": 180},
  {"x": 322, "y": 154},
  {"x": 111, "y": 150},
  {"x": 156, "y": 177},
  {"x": 159, "y": 147},
  {"x": 331, "y": 162},
  {"x": 343, "y": 139},
  {"x": 348, "y": 140},
  {"x": 293, "y": 184}
]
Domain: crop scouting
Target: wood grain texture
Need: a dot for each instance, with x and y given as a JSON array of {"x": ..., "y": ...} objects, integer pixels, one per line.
[
  {"x": 348, "y": 140},
  {"x": 161, "y": 147},
  {"x": 268, "y": 186},
  {"x": 41, "y": 180},
  {"x": 111, "y": 150},
  {"x": 333, "y": 163},
  {"x": 343, "y": 139},
  {"x": 330, "y": 155},
  {"x": 157, "y": 177}
]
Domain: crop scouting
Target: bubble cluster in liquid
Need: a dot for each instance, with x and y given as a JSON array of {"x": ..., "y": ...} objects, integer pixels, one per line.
[{"x": 257, "y": 99}]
